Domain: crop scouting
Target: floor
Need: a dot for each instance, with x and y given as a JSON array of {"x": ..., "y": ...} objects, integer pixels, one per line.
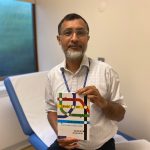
[{"x": 28, "y": 148}]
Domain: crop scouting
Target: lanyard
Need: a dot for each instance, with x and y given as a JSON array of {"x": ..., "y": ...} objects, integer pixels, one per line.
[{"x": 65, "y": 81}]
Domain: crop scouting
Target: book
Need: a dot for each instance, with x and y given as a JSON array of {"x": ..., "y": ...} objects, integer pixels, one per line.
[{"x": 73, "y": 116}]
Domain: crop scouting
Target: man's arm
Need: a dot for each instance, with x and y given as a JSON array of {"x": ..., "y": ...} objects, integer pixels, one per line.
[
  {"x": 52, "y": 118},
  {"x": 112, "y": 110}
]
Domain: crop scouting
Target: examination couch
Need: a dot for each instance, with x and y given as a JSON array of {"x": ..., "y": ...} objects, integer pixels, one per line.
[{"x": 27, "y": 94}]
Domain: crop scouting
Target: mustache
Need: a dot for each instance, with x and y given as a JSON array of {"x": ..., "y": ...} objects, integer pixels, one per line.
[{"x": 75, "y": 45}]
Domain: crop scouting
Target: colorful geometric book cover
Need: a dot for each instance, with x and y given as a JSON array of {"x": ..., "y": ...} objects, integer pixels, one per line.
[{"x": 73, "y": 116}]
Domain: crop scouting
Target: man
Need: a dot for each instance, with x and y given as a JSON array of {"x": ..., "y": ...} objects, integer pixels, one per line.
[{"x": 85, "y": 76}]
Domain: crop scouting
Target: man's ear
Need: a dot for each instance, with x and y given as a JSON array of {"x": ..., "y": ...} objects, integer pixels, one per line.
[{"x": 58, "y": 39}]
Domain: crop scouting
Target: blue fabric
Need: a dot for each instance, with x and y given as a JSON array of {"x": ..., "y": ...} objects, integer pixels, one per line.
[
  {"x": 37, "y": 143},
  {"x": 128, "y": 137}
]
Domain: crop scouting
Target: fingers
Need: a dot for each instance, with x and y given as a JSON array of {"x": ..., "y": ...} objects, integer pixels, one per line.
[
  {"x": 92, "y": 97},
  {"x": 71, "y": 146},
  {"x": 68, "y": 140},
  {"x": 91, "y": 92},
  {"x": 87, "y": 90},
  {"x": 68, "y": 143}
]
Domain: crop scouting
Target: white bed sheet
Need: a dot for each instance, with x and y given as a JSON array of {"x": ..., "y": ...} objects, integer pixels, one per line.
[{"x": 133, "y": 145}]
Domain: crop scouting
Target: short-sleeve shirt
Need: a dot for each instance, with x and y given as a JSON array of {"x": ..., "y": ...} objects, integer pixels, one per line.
[{"x": 105, "y": 79}]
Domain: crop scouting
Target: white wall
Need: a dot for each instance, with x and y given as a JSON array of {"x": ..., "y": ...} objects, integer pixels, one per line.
[{"x": 121, "y": 34}]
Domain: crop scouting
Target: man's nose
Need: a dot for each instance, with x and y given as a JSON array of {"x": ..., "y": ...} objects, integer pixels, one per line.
[{"x": 74, "y": 36}]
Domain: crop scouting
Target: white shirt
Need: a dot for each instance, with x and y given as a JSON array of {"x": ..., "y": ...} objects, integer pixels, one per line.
[{"x": 106, "y": 81}]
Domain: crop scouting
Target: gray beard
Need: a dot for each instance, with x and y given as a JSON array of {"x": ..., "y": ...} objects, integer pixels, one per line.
[{"x": 74, "y": 55}]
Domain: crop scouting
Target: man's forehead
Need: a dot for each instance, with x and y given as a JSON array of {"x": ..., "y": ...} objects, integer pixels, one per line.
[{"x": 73, "y": 24}]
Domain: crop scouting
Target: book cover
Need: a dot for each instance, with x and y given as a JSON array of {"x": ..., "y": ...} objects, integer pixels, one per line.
[{"x": 73, "y": 116}]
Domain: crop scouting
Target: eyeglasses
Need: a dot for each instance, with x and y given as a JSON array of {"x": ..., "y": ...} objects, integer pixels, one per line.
[{"x": 79, "y": 33}]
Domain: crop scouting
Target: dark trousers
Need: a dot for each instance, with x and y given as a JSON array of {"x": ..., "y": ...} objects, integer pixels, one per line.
[{"x": 109, "y": 145}]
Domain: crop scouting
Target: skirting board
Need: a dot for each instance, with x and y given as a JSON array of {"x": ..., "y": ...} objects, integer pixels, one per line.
[{"x": 18, "y": 146}]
